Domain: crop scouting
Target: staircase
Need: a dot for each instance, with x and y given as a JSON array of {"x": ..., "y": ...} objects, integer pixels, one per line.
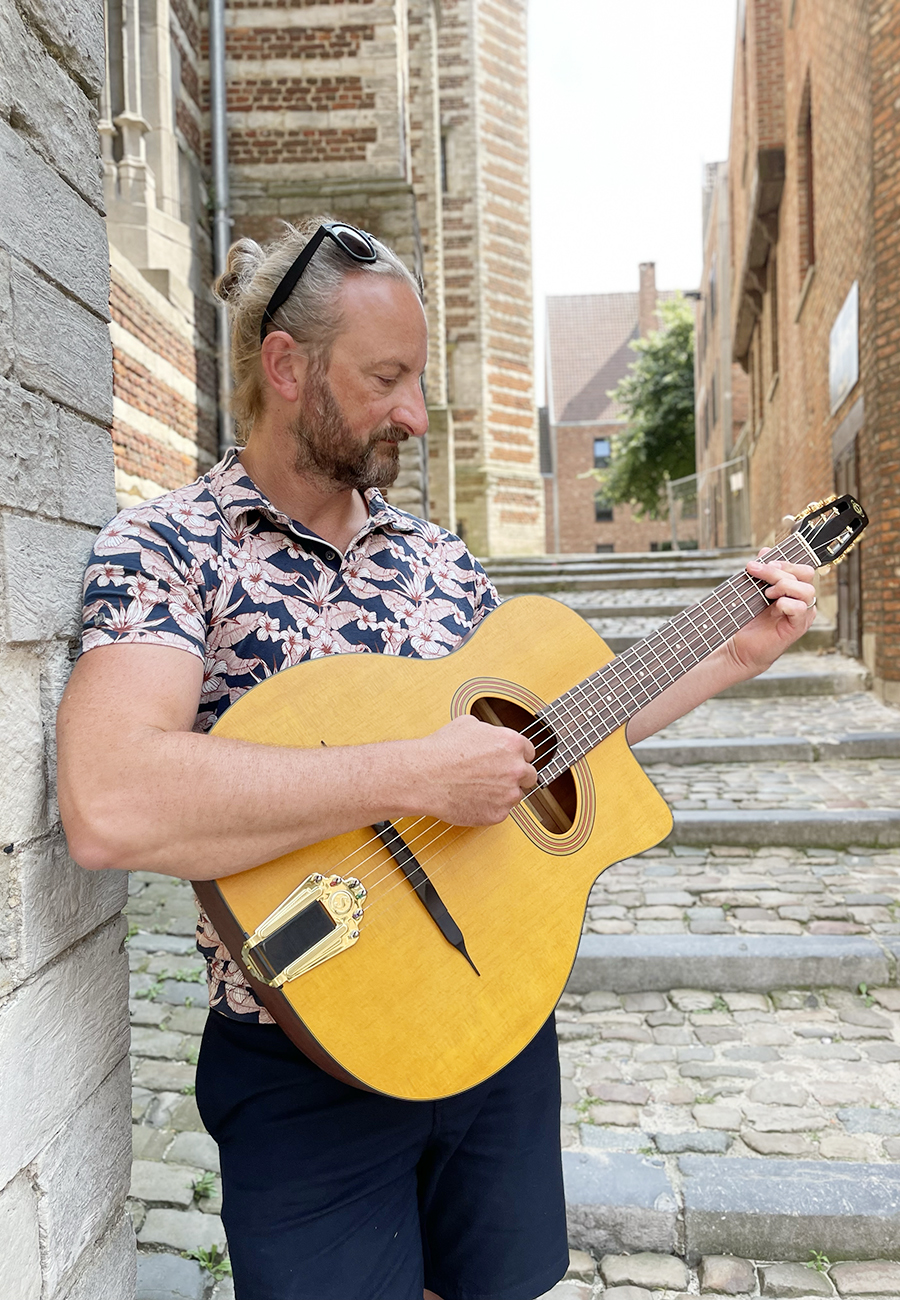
[{"x": 731, "y": 1029}]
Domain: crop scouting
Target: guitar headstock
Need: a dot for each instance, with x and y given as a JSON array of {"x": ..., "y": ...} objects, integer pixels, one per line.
[{"x": 831, "y": 528}]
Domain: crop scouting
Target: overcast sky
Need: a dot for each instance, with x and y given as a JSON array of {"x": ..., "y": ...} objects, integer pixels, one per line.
[{"x": 629, "y": 98}]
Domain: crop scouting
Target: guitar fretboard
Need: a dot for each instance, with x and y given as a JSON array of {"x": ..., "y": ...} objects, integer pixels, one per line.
[{"x": 599, "y": 705}]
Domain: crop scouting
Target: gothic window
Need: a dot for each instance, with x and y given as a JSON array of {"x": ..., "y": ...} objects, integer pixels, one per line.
[{"x": 805, "y": 177}]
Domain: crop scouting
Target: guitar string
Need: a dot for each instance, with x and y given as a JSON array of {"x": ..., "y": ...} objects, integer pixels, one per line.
[
  {"x": 477, "y": 831},
  {"x": 756, "y": 590},
  {"x": 378, "y": 845},
  {"x": 581, "y": 717}
]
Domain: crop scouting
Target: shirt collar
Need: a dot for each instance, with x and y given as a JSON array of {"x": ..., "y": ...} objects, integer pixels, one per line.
[{"x": 237, "y": 495}]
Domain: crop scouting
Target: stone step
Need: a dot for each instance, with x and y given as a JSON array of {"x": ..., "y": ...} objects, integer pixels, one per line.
[
  {"x": 784, "y": 682},
  {"x": 624, "y": 632},
  {"x": 796, "y": 827},
  {"x": 638, "y": 963},
  {"x": 604, "y": 560},
  {"x": 767, "y": 749},
  {"x": 761, "y": 1124},
  {"x": 547, "y": 584}
]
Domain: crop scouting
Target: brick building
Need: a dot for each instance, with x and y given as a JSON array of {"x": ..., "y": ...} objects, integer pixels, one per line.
[
  {"x": 588, "y": 350},
  {"x": 815, "y": 310},
  {"x": 720, "y": 384},
  {"x": 405, "y": 117}
]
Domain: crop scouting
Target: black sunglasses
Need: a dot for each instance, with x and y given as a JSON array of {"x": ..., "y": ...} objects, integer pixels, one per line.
[{"x": 355, "y": 243}]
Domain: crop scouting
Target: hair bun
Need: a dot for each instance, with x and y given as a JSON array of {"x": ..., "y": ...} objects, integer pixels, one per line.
[{"x": 245, "y": 257}]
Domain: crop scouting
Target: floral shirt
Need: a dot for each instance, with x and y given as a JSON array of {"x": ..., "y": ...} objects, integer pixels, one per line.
[{"x": 215, "y": 570}]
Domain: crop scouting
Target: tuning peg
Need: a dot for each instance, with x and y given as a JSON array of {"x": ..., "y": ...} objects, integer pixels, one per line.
[{"x": 828, "y": 500}]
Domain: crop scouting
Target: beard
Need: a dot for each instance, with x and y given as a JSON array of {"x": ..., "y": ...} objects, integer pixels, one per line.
[{"x": 328, "y": 449}]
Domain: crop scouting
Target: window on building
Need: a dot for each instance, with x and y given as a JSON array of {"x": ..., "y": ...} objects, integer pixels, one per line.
[
  {"x": 602, "y": 453},
  {"x": 713, "y": 288},
  {"x": 807, "y": 206},
  {"x": 604, "y": 548},
  {"x": 603, "y": 509},
  {"x": 660, "y": 546}
]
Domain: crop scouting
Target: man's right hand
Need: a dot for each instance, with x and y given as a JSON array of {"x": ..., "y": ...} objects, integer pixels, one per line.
[{"x": 473, "y": 773}]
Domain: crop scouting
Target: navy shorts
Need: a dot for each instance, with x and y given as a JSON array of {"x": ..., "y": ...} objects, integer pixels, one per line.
[{"x": 331, "y": 1193}]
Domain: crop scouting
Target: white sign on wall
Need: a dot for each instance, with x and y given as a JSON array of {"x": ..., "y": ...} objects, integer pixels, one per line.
[{"x": 843, "y": 354}]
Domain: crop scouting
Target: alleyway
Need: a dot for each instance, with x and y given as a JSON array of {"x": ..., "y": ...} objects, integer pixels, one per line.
[{"x": 731, "y": 1033}]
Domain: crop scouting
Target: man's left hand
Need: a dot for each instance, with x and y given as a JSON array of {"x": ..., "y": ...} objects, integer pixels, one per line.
[{"x": 793, "y": 596}]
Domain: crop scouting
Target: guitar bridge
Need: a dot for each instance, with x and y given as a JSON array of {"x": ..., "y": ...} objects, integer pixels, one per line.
[{"x": 318, "y": 920}]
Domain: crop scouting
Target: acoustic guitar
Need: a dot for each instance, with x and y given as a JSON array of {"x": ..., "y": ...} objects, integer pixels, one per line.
[{"x": 416, "y": 958}]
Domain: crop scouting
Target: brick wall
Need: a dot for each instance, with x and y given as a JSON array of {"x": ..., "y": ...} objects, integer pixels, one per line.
[
  {"x": 484, "y": 109},
  {"x": 838, "y": 61},
  {"x": 64, "y": 1079},
  {"x": 579, "y": 530}
]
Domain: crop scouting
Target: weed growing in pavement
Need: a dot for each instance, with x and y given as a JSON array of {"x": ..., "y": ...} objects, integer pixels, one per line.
[
  {"x": 204, "y": 1185},
  {"x": 214, "y": 1260},
  {"x": 151, "y": 992},
  {"x": 819, "y": 1261},
  {"x": 189, "y": 1089},
  {"x": 863, "y": 990},
  {"x": 191, "y": 1055},
  {"x": 188, "y": 976}
]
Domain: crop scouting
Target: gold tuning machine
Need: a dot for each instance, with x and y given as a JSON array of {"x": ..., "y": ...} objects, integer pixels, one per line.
[{"x": 816, "y": 505}]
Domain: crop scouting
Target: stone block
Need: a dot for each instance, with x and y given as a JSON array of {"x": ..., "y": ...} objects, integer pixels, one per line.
[
  {"x": 169, "y": 1277},
  {"x": 714, "y": 1116},
  {"x": 44, "y": 222},
  {"x": 29, "y": 450},
  {"x": 83, "y": 1175},
  {"x": 182, "y": 1230},
  {"x": 706, "y": 1143},
  {"x": 164, "y": 1076},
  {"x": 581, "y": 1267},
  {"x": 656, "y": 1272},
  {"x": 224, "y": 1290},
  {"x": 778, "y": 1144},
  {"x": 7, "y": 349},
  {"x": 21, "y": 743},
  {"x": 44, "y": 568},
  {"x": 67, "y": 1024},
  {"x": 774, "y": 1209},
  {"x": 48, "y": 107},
  {"x": 19, "y": 1240},
  {"x": 569, "y": 1291},
  {"x": 750, "y": 963},
  {"x": 840, "y": 1146},
  {"x": 793, "y": 1282},
  {"x": 862, "y": 1119},
  {"x": 610, "y": 1139},
  {"x": 774, "y": 1092},
  {"x": 727, "y": 1275},
  {"x": 196, "y": 1149},
  {"x": 60, "y": 901},
  {"x": 783, "y": 1119},
  {"x": 164, "y": 1184},
  {"x": 75, "y": 33},
  {"x": 876, "y": 1277},
  {"x": 149, "y": 1143},
  {"x": 619, "y": 1202},
  {"x": 60, "y": 349},
  {"x": 108, "y": 1268},
  {"x": 87, "y": 471}
]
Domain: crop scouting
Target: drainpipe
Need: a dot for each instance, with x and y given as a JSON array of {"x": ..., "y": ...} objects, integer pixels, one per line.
[{"x": 221, "y": 207}]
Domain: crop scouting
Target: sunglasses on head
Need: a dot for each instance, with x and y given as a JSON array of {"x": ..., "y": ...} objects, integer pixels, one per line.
[{"x": 355, "y": 243}]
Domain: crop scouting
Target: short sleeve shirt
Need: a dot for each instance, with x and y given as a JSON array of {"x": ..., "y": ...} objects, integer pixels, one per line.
[{"x": 216, "y": 570}]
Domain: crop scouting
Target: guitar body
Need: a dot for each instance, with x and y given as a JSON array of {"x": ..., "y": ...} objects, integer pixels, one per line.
[{"x": 402, "y": 1012}]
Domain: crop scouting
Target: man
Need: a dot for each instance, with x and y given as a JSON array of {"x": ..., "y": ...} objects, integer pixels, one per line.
[{"x": 282, "y": 551}]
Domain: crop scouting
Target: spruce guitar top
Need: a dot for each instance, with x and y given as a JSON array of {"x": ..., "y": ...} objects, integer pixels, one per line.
[{"x": 416, "y": 958}]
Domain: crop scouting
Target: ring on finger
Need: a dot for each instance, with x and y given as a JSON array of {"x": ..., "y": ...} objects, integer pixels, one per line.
[{"x": 812, "y": 602}]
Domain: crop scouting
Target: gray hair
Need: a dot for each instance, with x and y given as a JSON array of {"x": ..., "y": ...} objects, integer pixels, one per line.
[{"x": 310, "y": 315}]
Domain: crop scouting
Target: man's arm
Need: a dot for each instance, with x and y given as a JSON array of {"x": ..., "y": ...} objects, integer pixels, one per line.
[{"x": 139, "y": 790}]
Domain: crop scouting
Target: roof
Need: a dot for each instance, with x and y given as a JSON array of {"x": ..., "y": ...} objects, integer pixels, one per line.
[{"x": 588, "y": 352}]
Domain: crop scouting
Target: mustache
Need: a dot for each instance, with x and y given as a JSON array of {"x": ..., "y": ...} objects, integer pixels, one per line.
[{"x": 392, "y": 434}]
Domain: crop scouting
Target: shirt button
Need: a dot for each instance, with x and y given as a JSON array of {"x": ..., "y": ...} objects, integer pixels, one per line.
[{"x": 329, "y": 555}]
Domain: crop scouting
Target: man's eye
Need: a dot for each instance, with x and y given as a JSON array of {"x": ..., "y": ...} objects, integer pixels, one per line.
[{"x": 386, "y": 379}]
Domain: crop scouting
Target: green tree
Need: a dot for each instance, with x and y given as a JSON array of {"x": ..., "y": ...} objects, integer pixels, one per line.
[{"x": 657, "y": 397}]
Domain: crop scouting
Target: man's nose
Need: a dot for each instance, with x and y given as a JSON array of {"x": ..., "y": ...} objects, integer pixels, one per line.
[{"x": 411, "y": 412}]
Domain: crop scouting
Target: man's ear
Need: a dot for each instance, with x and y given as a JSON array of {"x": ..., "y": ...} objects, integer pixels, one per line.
[{"x": 285, "y": 365}]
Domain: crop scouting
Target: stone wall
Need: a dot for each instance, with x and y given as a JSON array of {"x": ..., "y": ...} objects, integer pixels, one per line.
[{"x": 64, "y": 1080}]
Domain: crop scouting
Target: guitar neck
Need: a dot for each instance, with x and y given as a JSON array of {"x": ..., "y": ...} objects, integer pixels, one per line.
[{"x": 603, "y": 702}]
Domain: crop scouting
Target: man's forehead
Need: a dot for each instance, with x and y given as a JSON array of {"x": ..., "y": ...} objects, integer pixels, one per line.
[{"x": 385, "y": 317}]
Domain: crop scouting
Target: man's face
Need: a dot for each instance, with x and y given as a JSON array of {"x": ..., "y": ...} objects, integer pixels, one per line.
[{"x": 354, "y": 415}]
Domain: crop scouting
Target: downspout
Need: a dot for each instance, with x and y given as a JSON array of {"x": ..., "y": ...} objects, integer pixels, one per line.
[{"x": 221, "y": 208}]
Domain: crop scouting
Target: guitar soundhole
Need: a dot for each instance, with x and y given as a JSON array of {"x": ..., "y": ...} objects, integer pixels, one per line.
[{"x": 554, "y": 806}]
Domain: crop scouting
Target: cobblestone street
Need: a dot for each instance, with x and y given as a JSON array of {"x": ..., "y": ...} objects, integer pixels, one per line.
[{"x": 729, "y": 1042}]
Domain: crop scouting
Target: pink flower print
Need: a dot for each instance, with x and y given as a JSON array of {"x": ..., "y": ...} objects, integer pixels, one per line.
[
  {"x": 144, "y": 589},
  {"x": 129, "y": 618},
  {"x": 367, "y": 619},
  {"x": 268, "y": 628},
  {"x": 294, "y": 646},
  {"x": 255, "y": 582},
  {"x": 208, "y": 939},
  {"x": 104, "y": 574},
  {"x": 394, "y": 637},
  {"x": 427, "y": 641}
]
